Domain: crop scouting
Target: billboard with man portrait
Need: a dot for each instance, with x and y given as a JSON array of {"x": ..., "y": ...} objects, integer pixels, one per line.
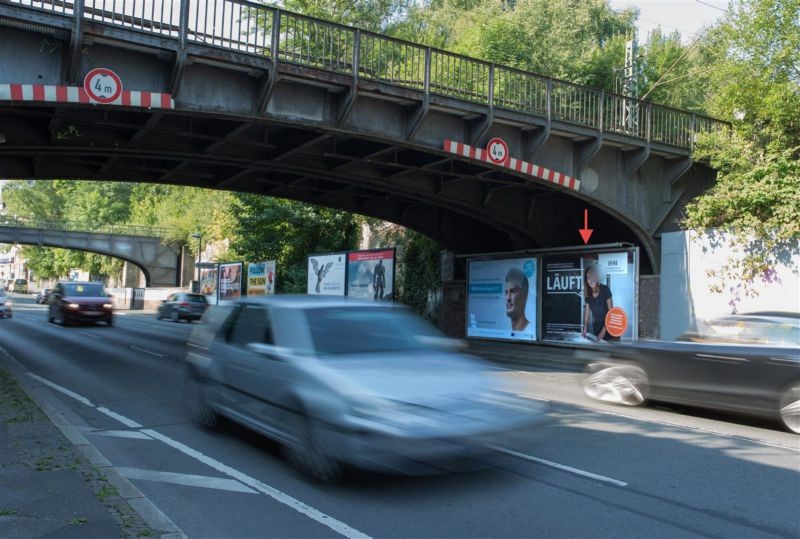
[
  {"x": 230, "y": 282},
  {"x": 501, "y": 299},
  {"x": 326, "y": 274},
  {"x": 370, "y": 274}
]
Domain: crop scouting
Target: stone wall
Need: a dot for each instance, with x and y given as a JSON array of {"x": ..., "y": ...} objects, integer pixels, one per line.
[
  {"x": 454, "y": 307},
  {"x": 649, "y": 300}
]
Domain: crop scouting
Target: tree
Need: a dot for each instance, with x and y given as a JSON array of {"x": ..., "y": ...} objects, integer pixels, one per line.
[
  {"x": 286, "y": 231},
  {"x": 756, "y": 83}
]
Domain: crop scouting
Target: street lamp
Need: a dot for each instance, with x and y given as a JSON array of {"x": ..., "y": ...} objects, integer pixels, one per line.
[{"x": 199, "y": 237}]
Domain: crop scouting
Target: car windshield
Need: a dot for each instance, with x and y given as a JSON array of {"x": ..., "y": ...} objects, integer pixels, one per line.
[
  {"x": 196, "y": 298},
  {"x": 20, "y": 281},
  {"x": 753, "y": 330},
  {"x": 363, "y": 330},
  {"x": 86, "y": 290}
]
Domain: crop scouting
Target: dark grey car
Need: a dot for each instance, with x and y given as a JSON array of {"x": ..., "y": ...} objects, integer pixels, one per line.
[
  {"x": 182, "y": 306},
  {"x": 343, "y": 382}
]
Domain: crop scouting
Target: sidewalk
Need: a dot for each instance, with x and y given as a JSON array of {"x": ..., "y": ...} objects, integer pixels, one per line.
[
  {"x": 524, "y": 356},
  {"x": 48, "y": 488}
]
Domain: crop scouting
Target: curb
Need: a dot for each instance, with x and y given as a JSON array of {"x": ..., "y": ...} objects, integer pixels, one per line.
[{"x": 147, "y": 510}]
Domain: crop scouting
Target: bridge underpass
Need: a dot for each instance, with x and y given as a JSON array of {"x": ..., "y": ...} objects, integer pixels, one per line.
[
  {"x": 295, "y": 107},
  {"x": 162, "y": 264}
]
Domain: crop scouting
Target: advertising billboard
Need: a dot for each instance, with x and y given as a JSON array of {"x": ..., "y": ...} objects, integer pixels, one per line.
[
  {"x": 589, "y": 297},
  {"x": 326, "y": 274},
  {"x": 370, "y": 274},
  {"x": 261, "y": 278},
  {"x": 230, "y": 282},
  {"x": 208, "y": 284},
  {"x": 501, "y": 299}
]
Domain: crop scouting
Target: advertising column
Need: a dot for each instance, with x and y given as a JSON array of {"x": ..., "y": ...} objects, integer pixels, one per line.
[
  {"x": 261, "y": 278},
  {"x": 326, "y": 274},
  {"x": 501, "y": 299},
  {"x": 370, "y": 274}
]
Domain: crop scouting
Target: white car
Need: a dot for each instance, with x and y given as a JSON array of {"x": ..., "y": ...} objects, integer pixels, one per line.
[{"x": 345, "y": 382}]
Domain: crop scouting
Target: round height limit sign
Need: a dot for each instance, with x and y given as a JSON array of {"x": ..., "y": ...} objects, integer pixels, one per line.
[
  {"x": 102, "y": 85},
  {"x": 497, "y": 150}
]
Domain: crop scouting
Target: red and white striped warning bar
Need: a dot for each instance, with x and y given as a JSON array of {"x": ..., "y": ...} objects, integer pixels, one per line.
[
  {"x": 76, "y": 94},
  {"x": 517, "y": 165}
]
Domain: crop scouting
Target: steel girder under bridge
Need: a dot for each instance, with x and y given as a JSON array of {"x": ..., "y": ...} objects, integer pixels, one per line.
[{"x": 240, "y": 96}]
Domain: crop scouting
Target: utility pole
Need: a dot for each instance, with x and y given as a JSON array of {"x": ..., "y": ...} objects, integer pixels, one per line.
[{"x": 628, "y": 84}]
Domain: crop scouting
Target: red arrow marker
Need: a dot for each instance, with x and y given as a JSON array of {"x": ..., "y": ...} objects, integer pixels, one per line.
[{"x": 586, "y": 232}]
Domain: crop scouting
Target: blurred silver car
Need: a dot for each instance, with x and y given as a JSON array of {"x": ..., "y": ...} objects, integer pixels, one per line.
[{"x": 340, "y": 382}]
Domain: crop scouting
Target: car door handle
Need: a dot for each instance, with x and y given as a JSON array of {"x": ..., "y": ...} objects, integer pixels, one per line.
[{"x": 714, "y": 357}]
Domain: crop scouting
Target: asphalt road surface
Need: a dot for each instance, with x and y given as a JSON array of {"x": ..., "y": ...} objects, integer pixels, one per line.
[{"x": 595, "y": 470}]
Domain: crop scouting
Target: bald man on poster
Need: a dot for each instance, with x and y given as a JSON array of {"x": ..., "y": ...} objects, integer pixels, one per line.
[{"x": 516, "y": 297}]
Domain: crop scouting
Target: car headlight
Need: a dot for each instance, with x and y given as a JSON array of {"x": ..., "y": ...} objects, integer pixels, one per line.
[
  {"x": 108, "y": 306},
  {"x": 73, "y": 306},
  {"x": 9, "y": 304}
]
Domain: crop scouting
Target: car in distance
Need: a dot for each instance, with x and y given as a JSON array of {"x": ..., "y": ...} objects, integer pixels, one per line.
[
  {"x": 182, "y": 306},
  {"x": 73, "y": 301},
  {"x": 342, "y": 383},
  {"x": 743, "y": 363},
  {"x": 42, "y": 295},
  {"x": 6, "y": 309},
  {"x": 19, "y": 286}
]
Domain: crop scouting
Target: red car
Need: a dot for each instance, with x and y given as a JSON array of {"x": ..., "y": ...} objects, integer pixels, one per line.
[{"x": 80, "y": 302}]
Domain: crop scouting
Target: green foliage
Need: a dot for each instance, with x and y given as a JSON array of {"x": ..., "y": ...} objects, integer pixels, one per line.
[
  {"x": 757, "y": 194},
  {"x": 287, "y": 231},
  {"x": 421, "y": 270}
]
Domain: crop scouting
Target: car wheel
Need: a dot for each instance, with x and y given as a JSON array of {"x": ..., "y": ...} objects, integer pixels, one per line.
[
  {"x": 175, "y": 317},
  {"x": 110, "y": 322},
  {"x": 308, "y": 454},
  {"x": 790, "y": 408},
  {"x": 620, "y": 384},
  {"x": 199, "y": 406},
  {"x": 159, "y": 316}
]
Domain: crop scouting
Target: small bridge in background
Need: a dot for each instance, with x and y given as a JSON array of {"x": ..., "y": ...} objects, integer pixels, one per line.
[{"x": 144, "y": 247}]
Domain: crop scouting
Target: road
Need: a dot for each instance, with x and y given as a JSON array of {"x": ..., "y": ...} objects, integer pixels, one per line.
[{"x": 594, "y": 470}]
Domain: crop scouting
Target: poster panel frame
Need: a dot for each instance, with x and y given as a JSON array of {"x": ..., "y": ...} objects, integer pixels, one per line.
[
  {"x": 268, "y": 265},
  {"x": 536, "y": 286},
  {"x": 308, "y": 270},
  {"x": 210, "y": 266},
  {"x": 220, "y": 265},
  {"x": 393, "y": 249}
]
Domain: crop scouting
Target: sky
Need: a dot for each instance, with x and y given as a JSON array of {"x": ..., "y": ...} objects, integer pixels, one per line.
[{"x": 687, "y": 16}]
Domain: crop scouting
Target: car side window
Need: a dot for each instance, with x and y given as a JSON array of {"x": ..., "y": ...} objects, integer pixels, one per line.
[{"x": 250, "y": 325}]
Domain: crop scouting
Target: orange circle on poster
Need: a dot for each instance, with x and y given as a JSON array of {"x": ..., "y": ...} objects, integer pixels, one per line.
[{"x": 616, "y": 321}]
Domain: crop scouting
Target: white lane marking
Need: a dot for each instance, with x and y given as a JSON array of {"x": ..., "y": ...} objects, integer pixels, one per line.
[
  {"x": 133, "y": 434},
  {"x": 92, "y": 335},
  {"x": 189, "y": 480},
  {"x": 121, "y": 418},
  {"x": 145, "y": 351},
  {"x": 64, "y": 390},
  {"x": 532, "y": 397},
  {"x": 314, "y": 514},
  {"x": 337, "y": 526},
  {"x": 561, "y": 467}
]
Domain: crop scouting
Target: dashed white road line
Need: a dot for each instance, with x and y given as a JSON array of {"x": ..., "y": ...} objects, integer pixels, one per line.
[
  {"x": 145, "y": 351},
  {"x": 132, "y": 434},
  {"x": 561, "y": 467},
  {"x": 281, "y": 497},
  {"x": 189, "y": 480},
  {"x": 89, "y": 334}
]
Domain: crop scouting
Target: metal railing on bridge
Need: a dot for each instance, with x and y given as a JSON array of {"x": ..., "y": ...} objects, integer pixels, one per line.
[
  {"x": 77, "y": 226},
  {"x": 265, "y": 31}
]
